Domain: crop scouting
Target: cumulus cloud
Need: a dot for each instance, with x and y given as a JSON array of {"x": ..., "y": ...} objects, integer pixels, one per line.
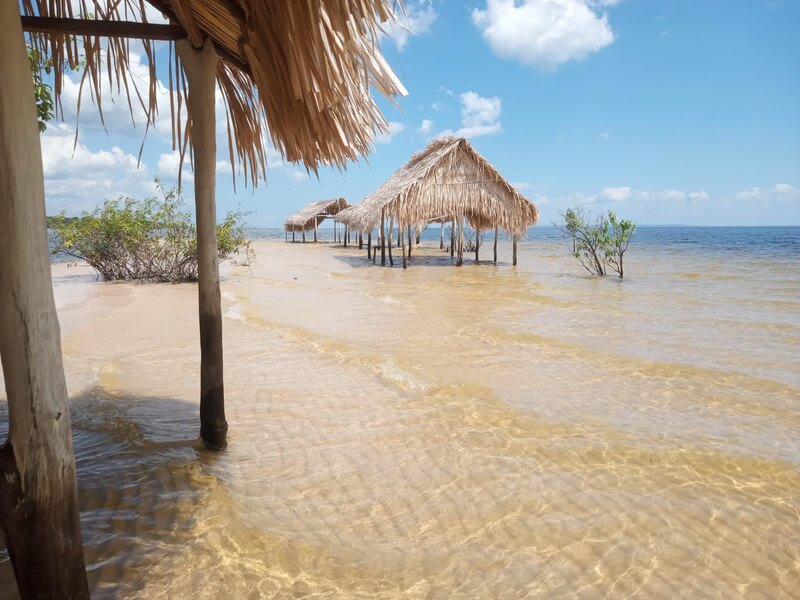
[
  {"x": 387, "y": 136},
  {"x": 425, "y": 127},
  {"x": 80, "y": 180},
  {"x": 781, "y": 192},
  {"x": 479, "y": 116},
  {"x": 417, "y": 19},
  {"x": 617, "y": 193},
  {"x": 297, "y": 176},
  {"x": 544, "y": 33}
]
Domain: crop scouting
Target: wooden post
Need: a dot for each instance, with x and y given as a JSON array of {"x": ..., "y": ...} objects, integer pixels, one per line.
[
  {"x": 441, "y": 237},
  {"x": 417, "y": 234},
  {"x": 345, "y": 236},
  {"x": 452, "y": 237},
  {"x": 304, "y": 236},
  {"x": 293, "y": 236},
  {"x": 38, "y": 491},
  {"x": 369, "y": 244},
  {"x": 360, "y": 241},
  {"x": 460, "y": 260},
  {"x": 383, "y": 237},
  {"x": 477, "y": 243},
  {"x": 514, "y": 255},
  {"x": 409, "y": 241},
  {"x": 316, "y": 224},
  {"x": 200, "y": 67},
  {"x": 495, "y": 245},
  {"x": 391, "y": 232},
  {"x": 403, "y": 247}
]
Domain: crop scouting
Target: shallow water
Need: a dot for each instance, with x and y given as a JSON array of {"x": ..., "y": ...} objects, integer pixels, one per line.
[{"x": 448, "y": 433}]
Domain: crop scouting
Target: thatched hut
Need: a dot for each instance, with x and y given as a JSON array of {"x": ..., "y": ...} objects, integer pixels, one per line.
[
  {"x": 299, "y": 72},
  {"x": 310, "y": 216},
  {"x": 447, "y": 182}
]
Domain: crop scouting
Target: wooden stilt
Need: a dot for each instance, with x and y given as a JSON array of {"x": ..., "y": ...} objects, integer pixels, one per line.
[
  {"x": 495, "y": 245},
  {"x": 403, "y": 248},
  {"x": 477, "y": 243},
  {"x": 38, "y": 491},
  {"x": 417, "y": 232},
  {"x": 335, "y": 241},
  {"x": 316, "y": 226},
  {"x": 514, "y": 255},
  {"x": 369, "y": 244},
  {"x": 391, "y": 233},
  {"x": 441, "y": 237},
  {"x": 460, "y": 260},
  {"x": 360, "y": 241},
  {"x": 452, "y": 237},
  {"x": 200, "y": 67},
  {"x": 383, "y": 237},
  {"x": 304, "y": 236},
  {"x": 409, "y": 241},
  {"x": 293, "y": 236},
  {"x": 345, "y": 236}
]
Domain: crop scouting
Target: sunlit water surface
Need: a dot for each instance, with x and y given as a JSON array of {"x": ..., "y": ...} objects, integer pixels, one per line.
[{"x": 483, "y": 432}]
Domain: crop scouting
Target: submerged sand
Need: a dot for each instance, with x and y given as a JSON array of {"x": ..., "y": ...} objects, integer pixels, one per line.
[{"x": 484, "y": 432}]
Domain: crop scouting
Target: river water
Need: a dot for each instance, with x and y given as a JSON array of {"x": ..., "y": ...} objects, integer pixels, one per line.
[{"x": 483, "y": 432}]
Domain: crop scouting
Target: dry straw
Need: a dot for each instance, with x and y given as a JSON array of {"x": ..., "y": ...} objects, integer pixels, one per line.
[
  {"x": 296, "y": 72},
  {"x": 445, "y": 181},
  {"x": 313, "y": 214}
]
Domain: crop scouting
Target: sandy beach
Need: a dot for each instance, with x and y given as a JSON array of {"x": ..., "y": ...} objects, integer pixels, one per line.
[{"x": 484, "y": 432}]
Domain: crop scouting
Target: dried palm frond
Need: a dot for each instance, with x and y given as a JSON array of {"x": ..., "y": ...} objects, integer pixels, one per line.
[
  {"x": 298, "y": 73},
  {"x": 313, "y": 214}
]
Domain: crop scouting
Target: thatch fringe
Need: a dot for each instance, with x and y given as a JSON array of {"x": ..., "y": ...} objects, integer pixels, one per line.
[
  {"x": 300, "y": 72},
  {"x": 313, "y": 214},
  {"x": 446, "y": 180}
]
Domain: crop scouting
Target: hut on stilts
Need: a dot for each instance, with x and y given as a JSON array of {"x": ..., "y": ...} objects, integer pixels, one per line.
[
  {"x": 299, "y": 72},
  {"x": 310, "y": 216},
  {"x": 448, "y": 182}
]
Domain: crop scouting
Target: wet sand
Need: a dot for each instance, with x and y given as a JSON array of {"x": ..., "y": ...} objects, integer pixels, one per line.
[{"x": 443, "y": 433}]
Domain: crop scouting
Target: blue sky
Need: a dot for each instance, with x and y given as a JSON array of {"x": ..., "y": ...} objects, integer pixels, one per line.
[{"x": 685, "y": 111}]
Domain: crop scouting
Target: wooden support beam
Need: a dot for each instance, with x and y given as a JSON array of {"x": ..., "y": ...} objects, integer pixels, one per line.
[
  {"x": 452, "y": 237},
  {"x": 38, "y": 490},
  {"x": 360, "y": 241},
  {"x": 383, "y": 237},
  {"x": 200, "y": 67},
  {"x": 103, "y": 28},
  {"x": 293, "y": 236},
  {"x": 391, "y": 230},
  {"x": 304, "y": 236},
  {"x": 495, "y": 245},
  {"x": 409, "y": 241},
  {"x": 514, "y": 255},
  {"x": 441, "y": 237},
  {"x": 369, "y": 244},
  {"x": 316, "y": 224},
  {"x": 477, "y": 243},
  {"x": 403, "y": 248}
]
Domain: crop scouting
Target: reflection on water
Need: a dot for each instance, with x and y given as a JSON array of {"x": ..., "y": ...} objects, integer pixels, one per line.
[{"x": 443, "y": 433}]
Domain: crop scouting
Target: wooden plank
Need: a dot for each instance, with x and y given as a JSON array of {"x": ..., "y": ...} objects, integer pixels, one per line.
[{"x": 126, "y": 29}]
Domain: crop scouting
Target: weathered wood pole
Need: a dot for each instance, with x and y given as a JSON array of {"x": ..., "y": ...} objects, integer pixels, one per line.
[
  {"x": 293, "y": 236},
  {"x": 334, "y": 232},
  {"x": 200, "y": 67},
  {"x": 316, "y": 225},
  {"x": 452, "y": 237},
  {"x": 495, "y": 245},
  {"x": 514, "y": 251},
  {"x": 304, "y": 236},
  {"x": 477, "y": 243},
  {"x": 369, "y": 244},
  {"x": 409, "y": 241},
  {"x": 460, "y": 260},
  {"x": 391, "y": 233},
  {"x": 441, "y": 237},
  {"x": 38, "y": 492},
  {"x": 403, "y": 248},
  {"x": 383, "y": 237},
  {"x": 417, "y": 233},
  {"x": 360, "y": 241},
  {"x": 345, "y": 236}
]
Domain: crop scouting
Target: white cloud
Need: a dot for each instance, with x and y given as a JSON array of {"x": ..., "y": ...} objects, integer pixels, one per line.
[
  {"x": 617, "y": 193},
  {"x": 388, "y": 136},
  {"x": 479, "y": 116},
  {"x": 168, "y": 164},
  {"x": 425, "y": 127},
  {"x": 417, "y": 19},
  {"x": 785, "y": 188},
  {"x": 80, "y": 180},
  {"x": 544, "y": 33},
  {"x": 297, "y": 176},
  {"x": 701, "y": 195},
  {"x": 751, "y": 194}
]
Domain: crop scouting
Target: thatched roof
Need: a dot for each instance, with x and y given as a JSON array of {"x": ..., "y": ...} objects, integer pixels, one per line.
[
  {"x": 299, "y": 71},
  {"x": 314, "y": 213},
  {"x": 447, "y": 179}
]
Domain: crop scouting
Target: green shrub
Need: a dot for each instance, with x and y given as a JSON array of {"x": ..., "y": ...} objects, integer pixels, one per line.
[
  {"x": 151, "y": 240},
  {"x": 599, "y": 243}
]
